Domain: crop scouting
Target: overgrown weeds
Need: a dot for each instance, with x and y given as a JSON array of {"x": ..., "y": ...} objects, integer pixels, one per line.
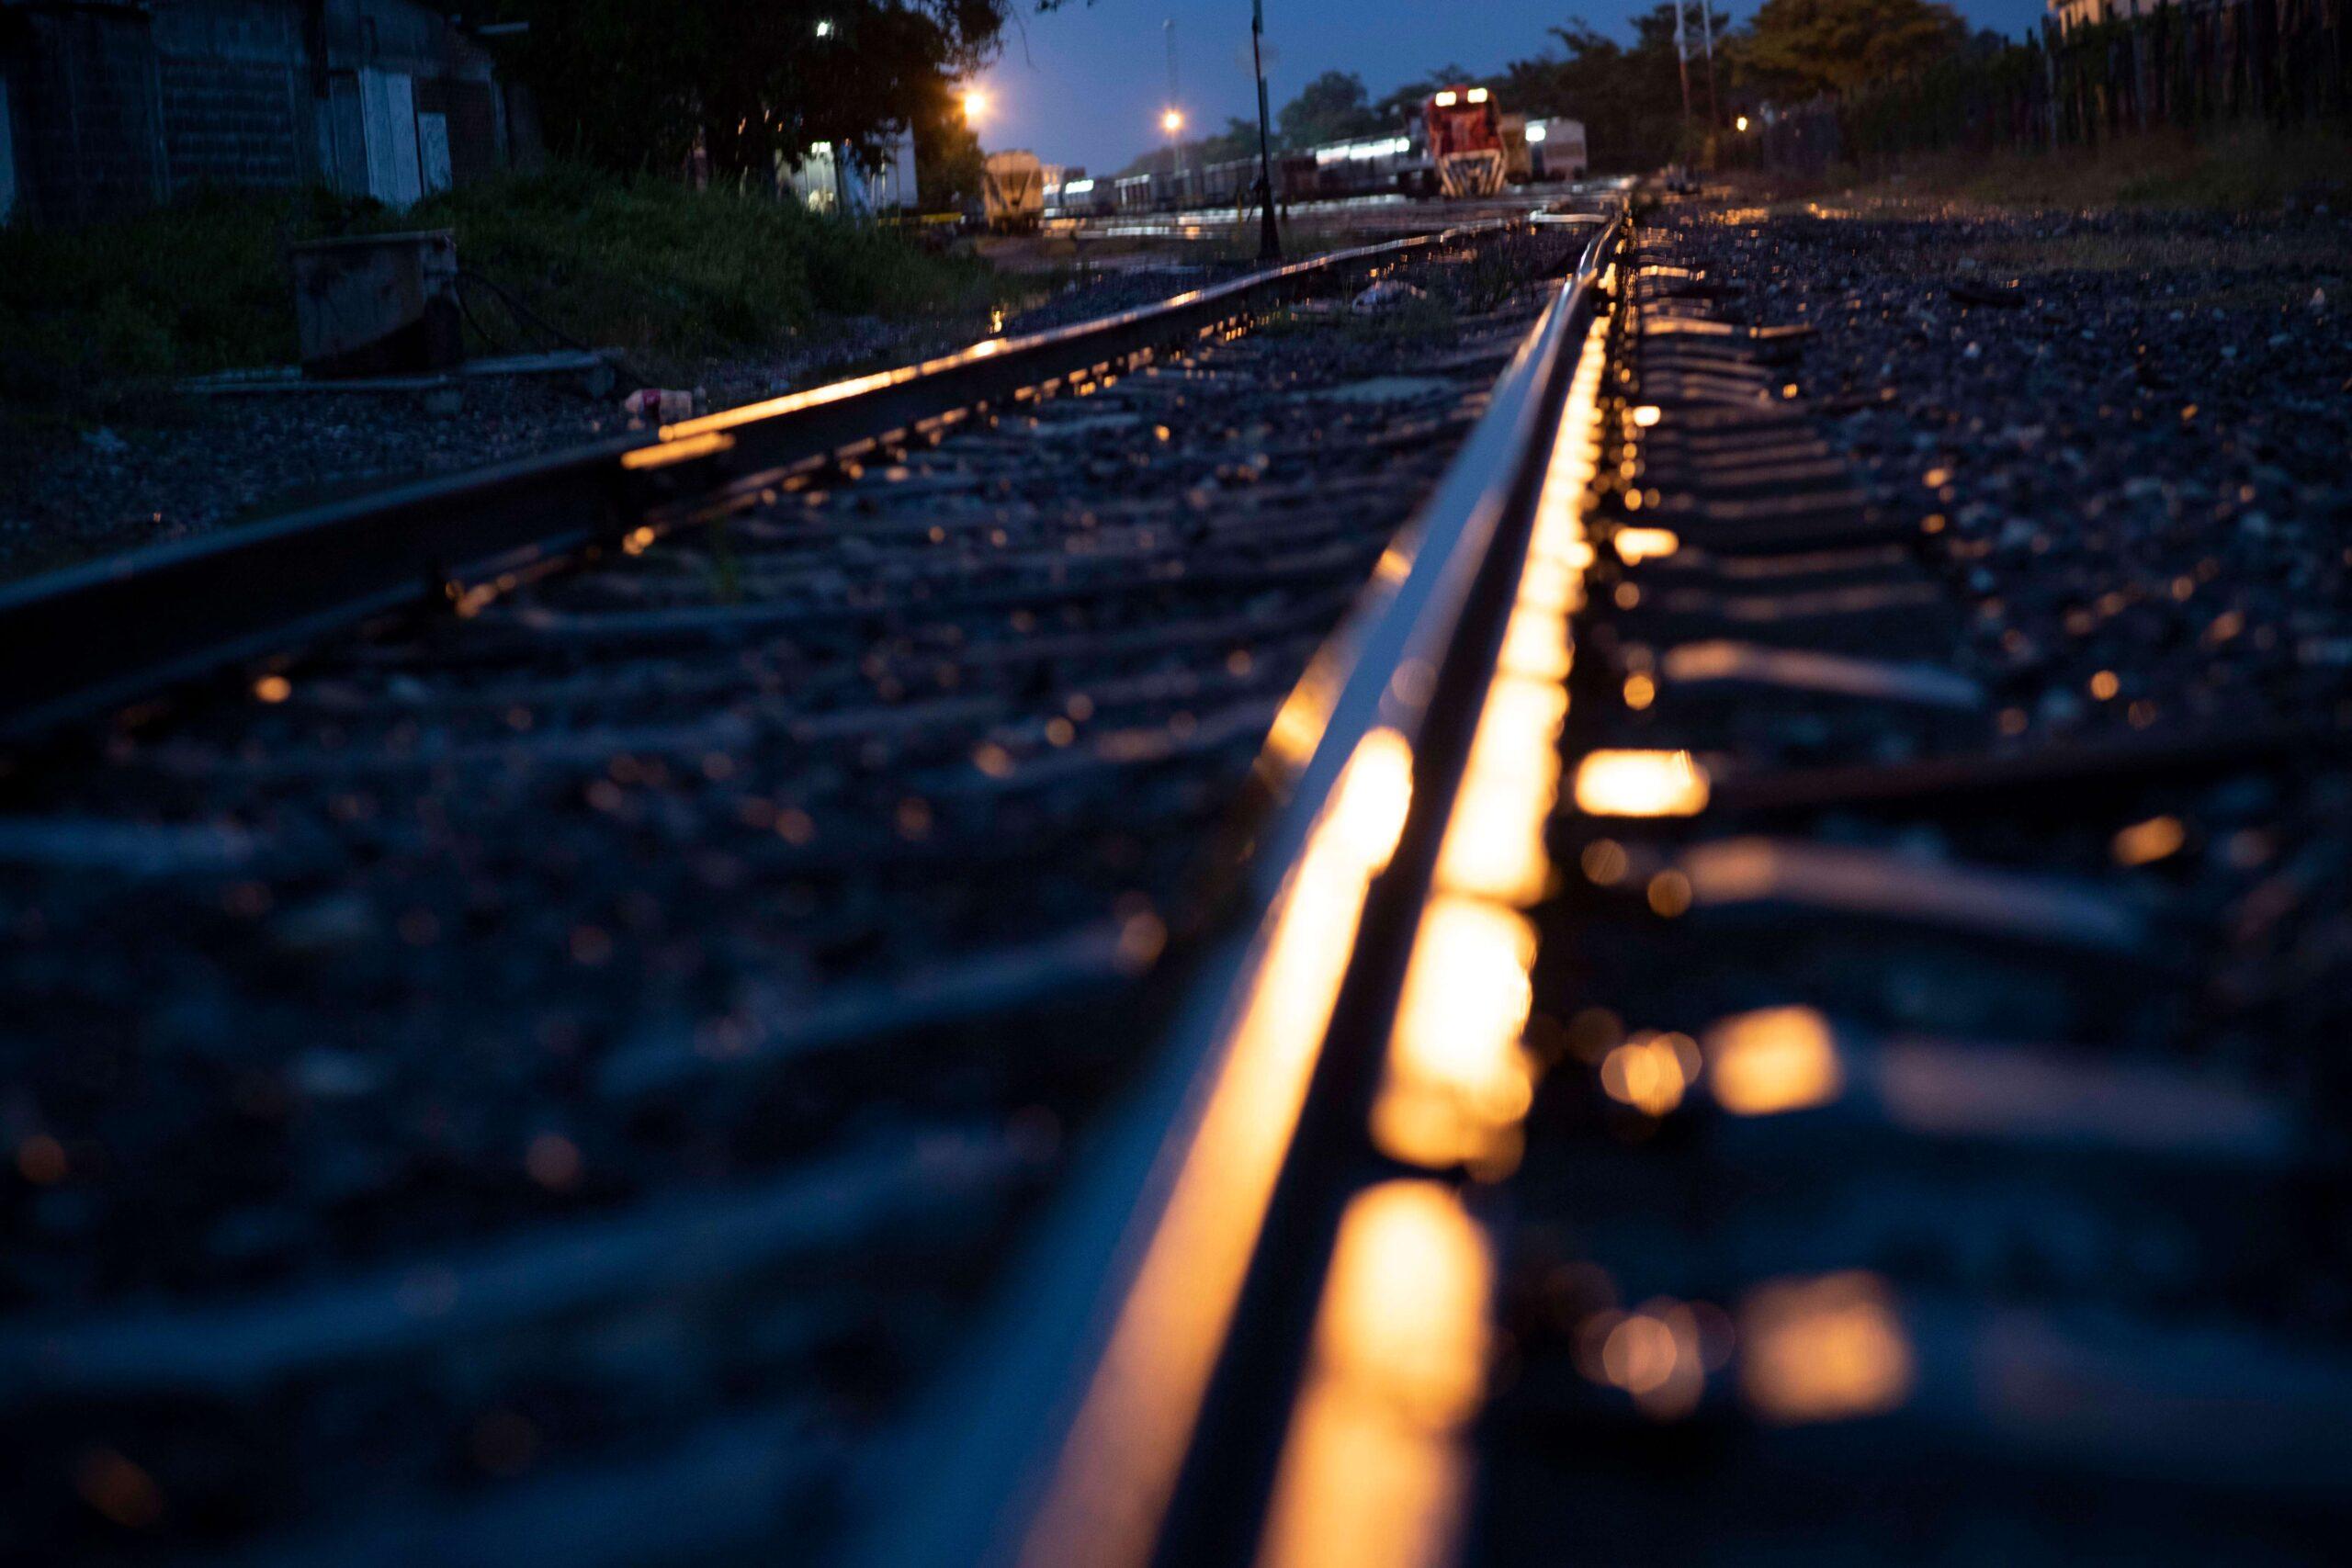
[
  {"x": 2247, "y": 170},
  {"x": 673, "y": 276}
]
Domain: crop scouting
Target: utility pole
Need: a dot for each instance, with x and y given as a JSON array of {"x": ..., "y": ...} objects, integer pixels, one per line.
[
  {"x": 1682, "y": 58},
  {"x": 1168, "y": 118},
  {"x": 1682, "y": 65},
  {"x": 1707, "y": 31},
  {"x": 1174, "y": 116},
  {"x": 1269, "y": 235}
]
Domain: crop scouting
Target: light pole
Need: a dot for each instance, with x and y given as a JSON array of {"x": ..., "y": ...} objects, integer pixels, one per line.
[
  {"x": 1173, "y": 121},
  {"x": 1270, "y": 236}
]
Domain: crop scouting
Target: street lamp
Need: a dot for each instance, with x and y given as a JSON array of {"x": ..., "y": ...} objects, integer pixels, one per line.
[
  {"x": 1172, "y": 122},
  {"x": 976, "y": 105},
  {"x": 1741, "y": 123}
]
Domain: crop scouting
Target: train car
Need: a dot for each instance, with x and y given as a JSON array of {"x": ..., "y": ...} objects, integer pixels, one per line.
[
  {"x": 1138, "y": 193},
  {"x": 1518, "y": 159},
  {"x": 1013, "y": 192},
  {"x": 1466, "y": 142},
  {"x": 1080, "y": 196},
  {"x": 1364, "y": 166},
  {"x": 1555, "y": 149},
  {"x": 1224, "y": 186}
]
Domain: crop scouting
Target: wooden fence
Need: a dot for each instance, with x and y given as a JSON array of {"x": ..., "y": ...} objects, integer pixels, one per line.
[{"x": 2185, "y": 64}]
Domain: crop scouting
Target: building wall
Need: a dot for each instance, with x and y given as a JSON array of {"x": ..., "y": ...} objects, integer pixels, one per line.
[
  {"x": 236, "y": 96},
  {"x": 83, "y": 85},
  {"x": 119, "y": 104},
  {"x": 399, "y": 35}
]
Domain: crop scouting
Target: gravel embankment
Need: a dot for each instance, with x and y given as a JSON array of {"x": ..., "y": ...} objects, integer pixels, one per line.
[
  {"x": 183, "y": 467},
  {"x": 588, "y": 1041},
  {"x": 2136, "y": 432},
  {"x": 2131, "y": 469}
]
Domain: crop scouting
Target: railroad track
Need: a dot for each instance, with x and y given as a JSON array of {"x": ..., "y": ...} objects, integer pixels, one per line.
[
  {"x": 1663, "y": 1069},
  {"x": 1763, "y": 1099},
  {"x": 1935, "y": 1155},
  {"x": 559, "y": 991}
]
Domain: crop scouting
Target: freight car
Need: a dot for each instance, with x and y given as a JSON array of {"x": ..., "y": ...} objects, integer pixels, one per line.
[{"x": 1012, "y": 191}]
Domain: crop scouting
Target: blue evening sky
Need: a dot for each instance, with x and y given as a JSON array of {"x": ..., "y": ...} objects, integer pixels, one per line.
[{"x": 1086, "y": 84}]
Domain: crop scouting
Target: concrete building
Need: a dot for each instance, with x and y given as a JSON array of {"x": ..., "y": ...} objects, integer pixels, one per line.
[{"x": 107, "y": 105}]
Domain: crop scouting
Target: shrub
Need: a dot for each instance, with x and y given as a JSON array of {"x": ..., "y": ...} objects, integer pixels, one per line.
[{"x": 671, "y": 274}]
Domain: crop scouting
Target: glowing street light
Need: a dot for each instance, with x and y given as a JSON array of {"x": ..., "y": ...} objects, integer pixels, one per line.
[
  {"x": 1172, "y": 122},
  {"x": 824, "y": 28},
  {"x": 976, "y": 105},
  {"x": 1741, "y": 123}
]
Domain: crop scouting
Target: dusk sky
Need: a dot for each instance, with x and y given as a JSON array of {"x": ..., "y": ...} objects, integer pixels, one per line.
[{"x": 1086, "y": 84}]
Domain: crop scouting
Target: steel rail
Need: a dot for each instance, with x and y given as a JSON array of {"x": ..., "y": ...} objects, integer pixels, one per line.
[
  {"x": 128, "y": 626},
  {"x": 1076, "y": 1433}
]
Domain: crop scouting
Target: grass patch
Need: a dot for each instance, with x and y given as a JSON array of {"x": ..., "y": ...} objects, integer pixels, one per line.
[
  {"x": 673, "y": 276},
  {"x": 2250, "y": 170}
]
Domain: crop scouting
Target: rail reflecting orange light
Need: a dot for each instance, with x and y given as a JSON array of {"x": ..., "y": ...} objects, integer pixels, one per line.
[
  {"x": 1651, "y": 1072},
  {"x": 1774, "y": 1060},
  {"x": 1636, "y": 546},
  {"x": 1373, "y": 1473},
  {"x": 1119, "y": 1465},
  {"x": 1458, "y": 1079},
  {"x": 2144, "y": 843},
  {"x": 1640, "y": 784},
  {"x": 675, "y": 449},
  {"x": 1660, "y": 1353},
  {"x": 1824, "y": 1349},
  {"x": 1494, "y": 846}
]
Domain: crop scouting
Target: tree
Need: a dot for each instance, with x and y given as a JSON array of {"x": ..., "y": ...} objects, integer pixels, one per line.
[
  {"x": 949, "y": 165},
  {"x": 1628, "y": 96},
  {"x": 638, "y": 84},
  {"x": 1333, "y": 107},
  {"x": 1798, "y": 48},
  {"x": 1405, "y": 104},
  {"x": 1239, "y": 139}
]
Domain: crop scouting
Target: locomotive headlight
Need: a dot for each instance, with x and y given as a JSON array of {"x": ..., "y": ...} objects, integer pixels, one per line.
[
  {"x": 1447, "y": 100},
  {"x": 1537, "y": 132},
  {"x": 1477, "y": 94}
]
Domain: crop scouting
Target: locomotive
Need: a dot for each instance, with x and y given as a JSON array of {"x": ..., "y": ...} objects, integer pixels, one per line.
[{"x": 1465, "y": 135}]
